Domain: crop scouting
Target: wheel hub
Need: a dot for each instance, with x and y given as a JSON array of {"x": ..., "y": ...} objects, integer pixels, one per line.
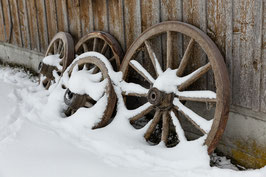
[
  {"x": 46, "y": 70},
  {"x": 73, "y": 100},
  {"x": 160, "y": 99}
]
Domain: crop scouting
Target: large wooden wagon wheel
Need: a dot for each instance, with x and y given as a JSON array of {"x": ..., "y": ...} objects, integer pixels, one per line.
[
  {"x": 61, "y": 50},
  {"x": 165, "y": 88},
  {"x": 103, "y": 43},
  {"x": 99, "y": 81}
]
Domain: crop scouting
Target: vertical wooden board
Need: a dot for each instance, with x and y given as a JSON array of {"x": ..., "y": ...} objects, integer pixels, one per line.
[
  {"x": 244, "y": 24},
  {"x": 42, "y": 24},
  {"x": 172, "y": 10},
  {"x": 16, "y": 39},
  {"x": 86, "y": 16},
  {"x": 7, "y": 19},
  {"x": 150, "y": 15},
  {"x": 23, "y": 17},
  {"x": 33, "y": 28},
  {"x": 116, "y": 22},
  {"x": 62, "y": 16},
  {"x": 100, "y": 13},
  {"x": 73, "y": 7},
  {"x": 132, "y": 17},
  {"x": 263, "y": 62},
  {"x": 195, "y": 13},
  {"x": 51, "y": 19},
  {"x": 2, "y": 23}
]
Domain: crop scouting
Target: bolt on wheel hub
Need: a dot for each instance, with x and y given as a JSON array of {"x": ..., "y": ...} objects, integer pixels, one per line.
[{"x": 160, "y": 99}]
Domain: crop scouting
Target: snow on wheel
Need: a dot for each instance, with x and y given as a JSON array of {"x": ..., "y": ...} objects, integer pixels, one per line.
[
  {"x": 88, "y": 83},
  {"x": 58, "y": 56},
  {"x": 103, "y": 43},
  {"x": 164, "y": 91}
]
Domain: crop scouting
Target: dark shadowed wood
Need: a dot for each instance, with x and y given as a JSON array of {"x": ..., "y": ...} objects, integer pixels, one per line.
[
  {"x": 51, "y": 12},
  {"x": 153, "y": 124}
]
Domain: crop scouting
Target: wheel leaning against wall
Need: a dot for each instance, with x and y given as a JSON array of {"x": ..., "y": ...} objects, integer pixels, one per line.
[
  {"x": 166, "y": 87},
  {"x": 59, "y": 55}
]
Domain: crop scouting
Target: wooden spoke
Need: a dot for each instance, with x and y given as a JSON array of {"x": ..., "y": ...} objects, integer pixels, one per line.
[
  {"x": 85, "y": 47},
  {"x": 95, "y": 41},
  {"x": 48, "y": 85},
  {"x": 104, "y": 48},
  {"x": 142, "y": 71},
  {"x": 199, "y": 96},
  {"x": 61, "y": 53},
  {"x": 137, "y": 90},
  {"x": 169, "y": 56},
  {"x": 88, "y": 104},
  {"x": 178, "y": 128},
  {"x": 55, "y": 47},
  {"x": 199, "y": 122},
  {"x": 141, "y": 113},
  {"x": 60, "y": 45},
  {"x": 194, "y": 76},
  {"x": 165, "y": 128},
  {"x": 153, "y": 58},
  {"x": 112, "y": 59},
  {"x": 185, "y": 58},
  {"x": 155, "y": 121}
]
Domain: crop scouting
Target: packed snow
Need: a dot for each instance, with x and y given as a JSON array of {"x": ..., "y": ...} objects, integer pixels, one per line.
[
  {"x": 53, "y": 60},
  {"x": 37, "y": 140}
]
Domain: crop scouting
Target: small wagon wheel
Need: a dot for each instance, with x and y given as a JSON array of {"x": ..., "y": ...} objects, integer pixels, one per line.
[
  {"x": 62, "y": 48},
  {"x": 165, "y": 88},
  {"x": 102, "y": 83},
  {"x": 103, "y": 43}
]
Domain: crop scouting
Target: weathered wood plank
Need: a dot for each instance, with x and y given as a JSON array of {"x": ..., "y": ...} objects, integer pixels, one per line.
[
  {"x": 16, "y": 33},
  {"x": 33, "y": 28},
  {"x": 86, "y": 17},
  {"x": 24, "y": 25},
  {"x": 2, "y": 24},
  {"x": 100, "y": 13},
  {"x": 51, "y": 19},
  {"x": 172, "y": 10},
  {"x": 73, "y": 7},
  {"x": 263, "y": 62},
  {"x": 62, "y": 16},
  {"x": 42, "y": 24},
  {"x": 132, "y": 17},
  {"x": 116, "y": 22},
  {"x": 195, "y": 13}
]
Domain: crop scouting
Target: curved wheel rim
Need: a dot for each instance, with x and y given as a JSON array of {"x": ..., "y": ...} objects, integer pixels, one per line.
[
  {"x": 62, "y": 44},
  {"x": 216, "y": 63},
  {"x": 109, "y": 90},
  {"x": 109, "y": 42}
]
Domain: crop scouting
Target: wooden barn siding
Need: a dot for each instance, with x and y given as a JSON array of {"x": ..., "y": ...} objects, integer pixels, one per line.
[{"x": 237, "y": 27}]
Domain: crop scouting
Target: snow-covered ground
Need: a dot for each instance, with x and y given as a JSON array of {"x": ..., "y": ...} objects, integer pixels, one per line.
[{"x": 35, "y": 140}]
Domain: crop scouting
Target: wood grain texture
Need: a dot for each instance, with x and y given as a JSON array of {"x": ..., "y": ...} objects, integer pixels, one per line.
[
  {"x": 100, "y": 15},
  {"x": 16, "y": 33},
  {"x": 62, "y": 16},
  {"x": 86, "y": 16},
  {"x": 263, "y": 62},
  {"x": 24, "y": 25},
  {"x": 73, "y": 7},
  {"x": 2, "y": 24},
  {"x": 52, "y": 25}
]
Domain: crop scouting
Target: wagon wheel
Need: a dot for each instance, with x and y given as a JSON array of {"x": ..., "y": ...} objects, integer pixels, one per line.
[
  {"x": 100, "y": 82},
  {"x": 61, "y": 48},
  {"x": 165, "y": 105},
  {"x": 103, "y": 43}
]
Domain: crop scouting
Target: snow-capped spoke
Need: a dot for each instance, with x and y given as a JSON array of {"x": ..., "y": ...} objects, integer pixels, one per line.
[
  {"x": 141, "y": 112},
  {"x": 142, "y": 71},
  {"x": 185, "y": 58},
  {"x": 199, "y": 122},
  {"x": 165, "y": 128},
  {"x": 132, "y": 89},
  {"x": 199, "y": 96},
  {"x": 153, "y": 58},
  {"x": 191, "y": 78},
  {"x": 155, "y": 121},
  {"x": 178, "y": 128}
]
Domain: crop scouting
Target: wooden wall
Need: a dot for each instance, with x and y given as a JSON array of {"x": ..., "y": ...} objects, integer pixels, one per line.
[{"x": 236, "y": 26}]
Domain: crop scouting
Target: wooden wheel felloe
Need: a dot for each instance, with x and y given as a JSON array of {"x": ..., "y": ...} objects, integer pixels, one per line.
[
  {"x": 61, "y": 50},
  {"x": 103, "y": 43},
  {"x": 98, "y": 79},
  {"x": 164, "y": 90}
]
